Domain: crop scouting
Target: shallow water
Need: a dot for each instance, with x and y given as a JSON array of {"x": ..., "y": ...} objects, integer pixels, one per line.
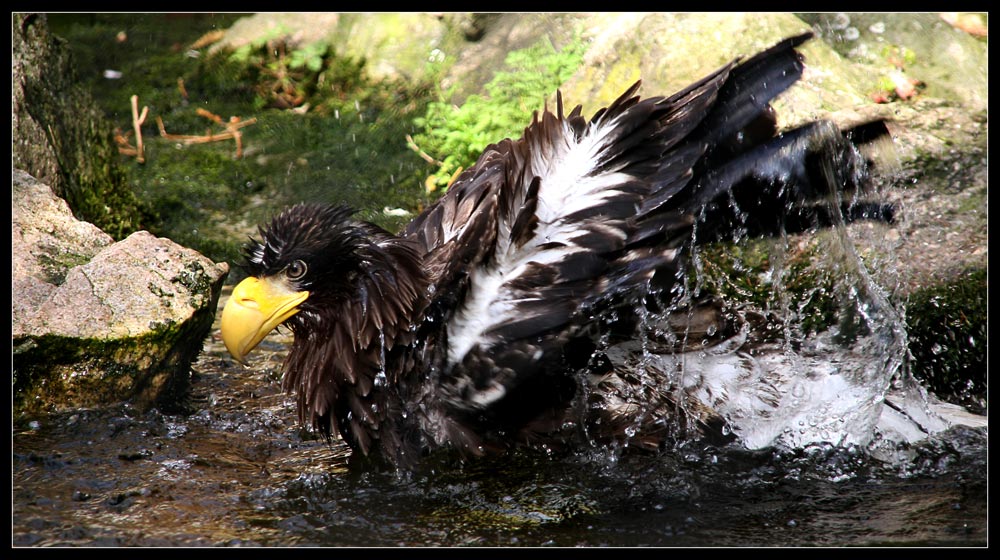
[{"x": 238, "y": 471}]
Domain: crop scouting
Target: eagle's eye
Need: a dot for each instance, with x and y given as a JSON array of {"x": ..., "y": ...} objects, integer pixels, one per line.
[{"x": 296, "y": 270}]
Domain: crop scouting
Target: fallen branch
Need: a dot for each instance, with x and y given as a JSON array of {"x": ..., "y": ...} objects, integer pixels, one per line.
[
  {"x": 208, "y": 115},
  {"x": 413, "y": 146},
  {"x": 232, "y": 131},
  {"x": 124, "y": 146},
  {"x": 137, "y": 121}
]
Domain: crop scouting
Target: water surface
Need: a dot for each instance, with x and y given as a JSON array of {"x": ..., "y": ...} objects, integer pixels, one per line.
[{"x": 239, "y": 471}]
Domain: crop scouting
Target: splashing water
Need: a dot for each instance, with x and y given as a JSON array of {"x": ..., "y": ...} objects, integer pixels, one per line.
[{"x": 797, "y": 385}]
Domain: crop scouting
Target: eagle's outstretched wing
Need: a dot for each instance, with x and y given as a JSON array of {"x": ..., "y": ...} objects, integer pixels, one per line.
[
  {"x": 532, "y": 244},
  {"x": 516, "y": 289}
]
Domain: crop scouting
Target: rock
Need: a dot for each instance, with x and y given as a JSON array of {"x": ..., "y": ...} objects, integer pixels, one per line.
[
  {"x": 466, "y": 50},
  {"x": 394, "y": 45},
  {"x": 296, "y": 28},
  {"x": 96, "y": 322},
  {"x": 948, "y": 63},
  {"x": 46, "y": 241},
  {"x": 60, "y": 136},
  {"x": 675, "y": 49},
  {"x": 942, "y": 191}
]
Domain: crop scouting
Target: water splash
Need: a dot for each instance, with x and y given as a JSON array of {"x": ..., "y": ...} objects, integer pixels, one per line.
[{"x": 811, "y": 364}]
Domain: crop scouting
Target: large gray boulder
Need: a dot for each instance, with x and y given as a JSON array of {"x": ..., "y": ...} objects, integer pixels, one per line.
[{"x": 97, "y": 322}]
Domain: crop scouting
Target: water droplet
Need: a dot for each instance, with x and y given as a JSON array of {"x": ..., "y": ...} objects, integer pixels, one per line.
[
  {"x": 840, "y": 21},
  {"x": 798, "y": 391}
]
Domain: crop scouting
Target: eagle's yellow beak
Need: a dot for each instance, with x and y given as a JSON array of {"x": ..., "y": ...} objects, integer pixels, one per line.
[{"x": 254, "y": 309}]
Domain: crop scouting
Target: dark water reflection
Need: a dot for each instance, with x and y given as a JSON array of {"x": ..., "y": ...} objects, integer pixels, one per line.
[{"x": 238, "y": 471}]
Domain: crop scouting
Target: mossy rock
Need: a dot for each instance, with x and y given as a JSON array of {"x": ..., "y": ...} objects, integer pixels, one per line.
[
  {"x": 124, "y": 327},
  {"x": 59, "y": 135},
  {"x": 52, "y": 372},
  {"x": 948, "y": 328}
]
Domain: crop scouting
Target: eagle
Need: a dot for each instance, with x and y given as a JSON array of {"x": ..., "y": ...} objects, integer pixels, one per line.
[{"x": 508, "y": 312}]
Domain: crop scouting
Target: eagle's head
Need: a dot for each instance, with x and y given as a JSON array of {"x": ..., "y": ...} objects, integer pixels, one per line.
[
  {"x": 351, "y": 293},
  {"x": 308, "y": 258}
]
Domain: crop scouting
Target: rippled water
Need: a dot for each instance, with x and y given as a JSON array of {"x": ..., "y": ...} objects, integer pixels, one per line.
[{"x": 238, "y": 471}]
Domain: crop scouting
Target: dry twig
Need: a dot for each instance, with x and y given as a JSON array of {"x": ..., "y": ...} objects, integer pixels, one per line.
[
  {"x": 124, "y": 146},
  {"x": 137, "y": 121},
  {"x": 232, "y": 131},
  {"x": 413, "y": 146}
]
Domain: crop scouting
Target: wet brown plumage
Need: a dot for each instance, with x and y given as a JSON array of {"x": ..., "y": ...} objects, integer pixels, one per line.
[{"x": 495, "y": 317}]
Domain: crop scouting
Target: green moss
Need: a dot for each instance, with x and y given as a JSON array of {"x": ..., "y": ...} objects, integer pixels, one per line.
[
  {"x": 196, "y": 281},
  {"x": 948, "y": 327},
  {"x": 151, "y": 54},
  {"x": 349, "y": 147},
  {"x": 976, "y": 202},
  {"x": 100, "y": 193},
  {"x": 623, "y": 74},
  {"x": 56, "y": 264}
]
